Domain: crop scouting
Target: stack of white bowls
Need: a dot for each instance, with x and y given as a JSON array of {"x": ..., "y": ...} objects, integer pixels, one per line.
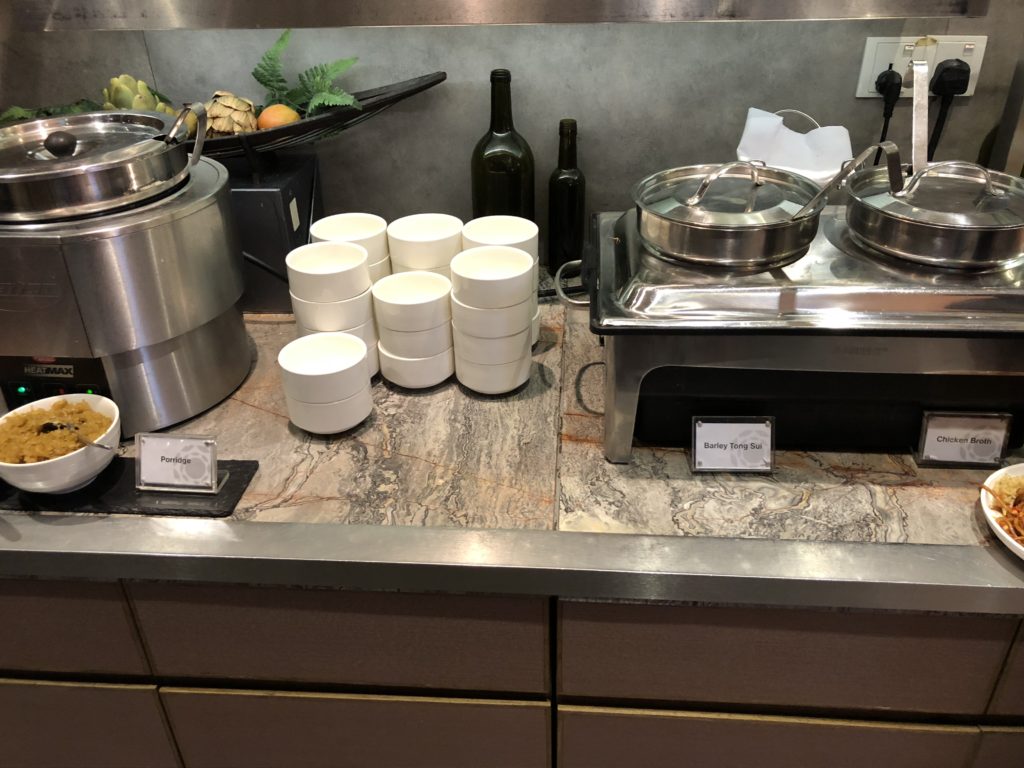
[
  {"x": 515, "y": 232},
  {"x": 365, "y": 229},
  {"x": 414, "y": 320},
  {"x": 329, "y": 284},
  {"x": 424, "y": 242},
  {"x": 492, "y": 295},
  {"x": 326, "y": 382}
]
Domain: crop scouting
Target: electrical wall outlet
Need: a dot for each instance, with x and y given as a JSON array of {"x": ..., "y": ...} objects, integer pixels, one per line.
[{"x": 879, "y": 52}]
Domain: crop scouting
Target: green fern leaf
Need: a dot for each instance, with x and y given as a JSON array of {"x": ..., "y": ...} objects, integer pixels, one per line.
[
  {"x": 268, "y": 71},
  {"x": 13, "y": 114},
  {"x": 320, "y": 78},
  {"x": 327, "y": 99}
]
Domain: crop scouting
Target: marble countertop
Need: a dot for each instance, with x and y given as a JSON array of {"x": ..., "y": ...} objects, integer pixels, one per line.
[
  {"x": 446, "y": 490},
  {"x": 533, "y": 460}
]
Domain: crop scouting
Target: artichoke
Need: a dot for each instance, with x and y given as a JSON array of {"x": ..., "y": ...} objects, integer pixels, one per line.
[
  {"x": 229, "y": 114},
  {"x": 125, "y": 92}
]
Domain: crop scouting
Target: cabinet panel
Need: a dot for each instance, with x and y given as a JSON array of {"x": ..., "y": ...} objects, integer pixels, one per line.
[
  {"x": 1009, "y": 696},
  {"x": 799, "y": 658},
  {"x": 1000, "y": 748},
  {"x": 58, "y": 725},
  {"x": 67, "y": 626},
  {"x": 354, "y": 638},
  {"x": 250, "y": 729},
  {"x": 606, "y": 738}
]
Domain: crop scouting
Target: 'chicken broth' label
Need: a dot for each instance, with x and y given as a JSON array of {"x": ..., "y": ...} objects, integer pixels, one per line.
[{"x": 963, "y": 438}]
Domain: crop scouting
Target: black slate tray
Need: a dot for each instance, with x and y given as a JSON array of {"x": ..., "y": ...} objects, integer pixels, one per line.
[{"x": 114, "y": 492}]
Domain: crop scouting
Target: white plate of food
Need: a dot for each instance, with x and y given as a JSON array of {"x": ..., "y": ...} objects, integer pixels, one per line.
[{"x": 1002, "y": 500}]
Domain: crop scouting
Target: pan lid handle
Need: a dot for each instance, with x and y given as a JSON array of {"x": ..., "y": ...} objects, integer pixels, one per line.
[
  {"x": 981, "y": 174},
  {"x": 751, "y": 165},
  {"x": 199, "y": 110}
]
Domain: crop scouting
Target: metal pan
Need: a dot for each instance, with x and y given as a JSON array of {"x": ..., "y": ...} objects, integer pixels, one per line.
[
  {"x": 738, "y": 215},
  {"x": 951, "y": 214}
]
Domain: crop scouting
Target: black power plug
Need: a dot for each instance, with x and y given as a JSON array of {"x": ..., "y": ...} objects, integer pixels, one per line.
[
  {"x": 889, "y": 83},
  {"x": 950, "y": 79}
]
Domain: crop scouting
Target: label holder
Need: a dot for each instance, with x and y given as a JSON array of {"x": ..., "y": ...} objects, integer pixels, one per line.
[
  {"x": 177, "y": 464},
  {"x": 925, "y": 459},
  {"x": 701, "y": 464}
]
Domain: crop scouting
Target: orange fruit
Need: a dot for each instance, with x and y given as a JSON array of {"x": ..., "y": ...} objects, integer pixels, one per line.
[{"x": 275, "y": 116}]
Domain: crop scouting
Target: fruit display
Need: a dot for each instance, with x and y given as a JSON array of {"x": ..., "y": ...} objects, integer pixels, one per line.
[
  {"x": 228, "y": 115},
  {"x": 276, "y": 115},
  {"x": 125, "y": 92}
]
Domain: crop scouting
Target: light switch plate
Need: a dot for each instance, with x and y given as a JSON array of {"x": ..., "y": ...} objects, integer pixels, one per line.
[{"x": 879, "y": 52}]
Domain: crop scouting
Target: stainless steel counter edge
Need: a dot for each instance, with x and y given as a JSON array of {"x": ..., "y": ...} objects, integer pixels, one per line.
[{"x": 572, "y": 565}]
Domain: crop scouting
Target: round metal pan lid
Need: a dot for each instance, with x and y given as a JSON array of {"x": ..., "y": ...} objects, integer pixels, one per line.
[
  {"x": 48, "y": 165},
  {"x": 948, "y": 194},
  {"x": 735, "y": 195}
]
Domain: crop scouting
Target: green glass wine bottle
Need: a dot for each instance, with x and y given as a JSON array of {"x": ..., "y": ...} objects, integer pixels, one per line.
[
  {"x": 502, "y": 163},
  {"x": 566, "y": 202}
]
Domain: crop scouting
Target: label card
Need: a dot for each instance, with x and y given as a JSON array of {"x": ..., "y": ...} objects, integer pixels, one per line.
[
  {"x": 963, "y": 439},
  {"x": 727, "y": 444},
  {"x": 177, "y": 463}
]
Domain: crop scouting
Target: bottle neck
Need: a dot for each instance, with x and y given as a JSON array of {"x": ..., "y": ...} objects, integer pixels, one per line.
[
  {"x": 567, "y": 150},
  {"x": 501, "y": 107}
]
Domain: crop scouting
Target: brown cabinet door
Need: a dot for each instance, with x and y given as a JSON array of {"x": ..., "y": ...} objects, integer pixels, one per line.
[
  {"x": 1009, "y": 696},
  {"x": 253, "y": 729},
  {"x": 67, "y": 626},
  {"x": 607, "y": 738},
  {"x": 1000, "y": 748},
  {"x": 799, "y": 658},
  {"x": 444, "y": 642},
  {"x": 71, "y": 725}
]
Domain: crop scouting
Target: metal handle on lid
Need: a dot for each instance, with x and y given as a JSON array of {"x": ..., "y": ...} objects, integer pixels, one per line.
[
  {"x": 892, "y": 164},
  {"x": 751, "y": 165},
  {"x": 985, "y": 176},
  {"x": 810, "y": 119},
  {"x": 198, "y": 109}
]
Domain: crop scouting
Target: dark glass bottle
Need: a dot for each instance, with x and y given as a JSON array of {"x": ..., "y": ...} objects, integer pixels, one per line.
[
  {"x": 566, "y": 202},
  {"x": 502, "y": 163}
]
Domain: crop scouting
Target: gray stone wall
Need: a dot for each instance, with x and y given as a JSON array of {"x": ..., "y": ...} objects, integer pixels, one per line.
[{"x": 647, "y": 96}]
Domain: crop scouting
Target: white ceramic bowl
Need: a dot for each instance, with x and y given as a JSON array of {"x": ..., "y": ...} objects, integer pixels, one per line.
[
  {"x": 367, "y": 332},
  {"x": 418, "y": 372},
  {"x": 493, "y": 379},
  {"x": 324, "y": 367},
  {"x": 513, "y": 231},
  {"x": 428, "y": 343},
  {"x": 991, "y": 510},
  {"x": 365, "y": 229},
  {"x": 493, "y": 351},
  {"x": 443, "y": 271},
  {"x": 327, "y": 271},
  {"x": 535, "y": 328},
  {"x": 412, "y": 301},
  {"x": 424, "y": 240},
  {"x": 492, "y": 323},
  {"x": 492, "y": 276},
  {"x": 72, "y": 470},
  {"x": 380, "y": 269},
  {"x": 333, "y": 315},
  {"x": 329, "y": 418}
]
